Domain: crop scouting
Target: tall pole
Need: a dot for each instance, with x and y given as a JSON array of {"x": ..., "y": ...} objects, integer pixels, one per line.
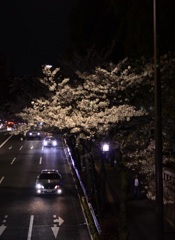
[{"x": 158, "y": 125}]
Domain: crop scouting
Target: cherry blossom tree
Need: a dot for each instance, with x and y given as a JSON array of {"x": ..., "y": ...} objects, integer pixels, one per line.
[
  {"x": 88, "y": 105},
  {"x": 109, "y": 101}
]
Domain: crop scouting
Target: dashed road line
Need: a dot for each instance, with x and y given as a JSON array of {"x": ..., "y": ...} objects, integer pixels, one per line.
[
  {"x": 40, "y": 160},
  {"x": 20, "y": 148},
  {"x": 13, "y": 160},
  {"x": 30, "y": 227},
  {"x": 5, "y": 141},
  {"x": 1, "y": 179}
]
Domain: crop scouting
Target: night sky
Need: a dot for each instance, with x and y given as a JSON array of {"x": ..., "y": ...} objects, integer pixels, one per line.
[
  {"x": 37, "y": 32},
  {"x": 34, "y": 32}
]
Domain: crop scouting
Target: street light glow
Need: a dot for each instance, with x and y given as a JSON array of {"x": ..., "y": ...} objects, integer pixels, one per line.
[
  {"x": 105, "y": 147},
  {"x": 48, "y": 66}
]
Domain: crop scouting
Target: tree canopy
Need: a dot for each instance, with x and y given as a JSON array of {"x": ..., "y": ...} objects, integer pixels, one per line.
[
  {"x": 113, "y": 102},
  {"x": 92, "y": 102}
]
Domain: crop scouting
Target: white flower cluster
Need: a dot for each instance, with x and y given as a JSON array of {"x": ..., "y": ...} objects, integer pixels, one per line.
[
  {"x": 92, "y": 106},
  {"x": 92, "y": 103}
]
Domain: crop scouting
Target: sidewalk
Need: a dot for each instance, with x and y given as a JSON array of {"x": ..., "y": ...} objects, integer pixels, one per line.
[{"x": 140, "y": 213}]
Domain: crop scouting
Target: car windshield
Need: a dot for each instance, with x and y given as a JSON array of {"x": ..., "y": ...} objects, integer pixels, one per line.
[
  {"x": 49, "y": 138},
  {"x": 50, "y": 176}
]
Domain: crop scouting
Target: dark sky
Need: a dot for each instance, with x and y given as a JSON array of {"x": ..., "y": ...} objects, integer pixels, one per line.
[{"x": 34, "y": 32}]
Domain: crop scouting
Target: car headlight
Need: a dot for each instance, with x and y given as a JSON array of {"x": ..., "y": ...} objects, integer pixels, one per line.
[
  {"x": 45, "y": 143},
  {"x": 30, "y": 133},
  {"x": 54, "y": 143},
  {"x": 59, "y": 190},
  {"x": 38, "y": 133},
  {"x": 39, "y": 186}
]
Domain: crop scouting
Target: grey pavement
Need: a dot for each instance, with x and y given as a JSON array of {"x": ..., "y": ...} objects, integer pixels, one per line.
[
  {"x": 141, "y": 215},
  {"x": 142, "y": 222}
]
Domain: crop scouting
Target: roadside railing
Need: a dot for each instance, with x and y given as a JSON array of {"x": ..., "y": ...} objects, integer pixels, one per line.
[
  {"x": 97, "y": 225},
  {"x": 169, "y": 195}
]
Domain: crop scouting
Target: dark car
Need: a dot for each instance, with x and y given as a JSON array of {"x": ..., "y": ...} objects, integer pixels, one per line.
[
  {"x": 49, "y": 181},
  {"x": 34, "y": 134},
  {"x": 50, "y": 141}
]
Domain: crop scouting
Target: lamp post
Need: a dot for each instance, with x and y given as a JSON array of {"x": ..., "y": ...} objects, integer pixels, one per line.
[
  {"x": 102, "y": 187},
  {"x": 105, "y": 151},
  {"x": 158, "y": 125}
]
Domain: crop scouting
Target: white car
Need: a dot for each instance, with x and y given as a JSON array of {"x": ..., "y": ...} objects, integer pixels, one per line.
[
  {"x": 49, "y": 181},
  {"x": 50, "y": 141}
]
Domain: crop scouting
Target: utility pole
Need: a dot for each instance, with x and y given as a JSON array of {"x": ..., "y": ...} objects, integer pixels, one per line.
[{"x": 158, "y": 126}]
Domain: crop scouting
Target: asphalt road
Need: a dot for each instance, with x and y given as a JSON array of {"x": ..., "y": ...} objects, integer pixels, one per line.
[{"x": 23, "y": 214}]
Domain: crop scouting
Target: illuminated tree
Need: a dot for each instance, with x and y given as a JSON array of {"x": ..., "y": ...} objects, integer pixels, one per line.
[{"x": 114, "y": 102}]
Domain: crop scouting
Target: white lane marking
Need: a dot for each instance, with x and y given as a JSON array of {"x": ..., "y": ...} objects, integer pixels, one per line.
[
  {"x": 31, "y": 147},
  {"x": 1, "y": 179},
  {"x": 13, "y": 160},
  {"x": 5, "y": 141},
  {"x": 30, "y": 227},
  {"x": 10, "y": 147},
  {"x": 2, "y": 229},
  {"x": 55, "y": 230},
  {"x": 5, "y": 219},
  {"x": 40, "y": 160},
  {"x": 57, "y": 222},
  {"x": 20, "y": 148}
]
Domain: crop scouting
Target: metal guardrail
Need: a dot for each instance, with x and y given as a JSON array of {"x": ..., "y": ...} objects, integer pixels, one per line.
[
  {"x": 169, "y": 195},
  {"x": 169, "y": 183},
  {"x": 97, "y": 225}
]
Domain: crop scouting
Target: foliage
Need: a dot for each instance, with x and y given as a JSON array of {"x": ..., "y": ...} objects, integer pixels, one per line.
[
  {"x": 90, "y": 104},
  {"x": 113, "y": 102}
]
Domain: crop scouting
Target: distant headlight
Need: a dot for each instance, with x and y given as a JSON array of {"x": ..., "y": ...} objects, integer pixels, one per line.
[
  {"x": 30, "y": 133},
  {"x": 39, "y": 186},
  {"x": 38, "y": 133}
]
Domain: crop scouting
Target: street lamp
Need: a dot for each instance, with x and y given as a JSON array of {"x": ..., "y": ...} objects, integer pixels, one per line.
[
  {"x": 46, "y": 69},
  {"x": 105, "y": 150},
  {"x": 102, "y": 177},
  {"x": 105, "y": 147},
  {"x": 48, "y": 66}
]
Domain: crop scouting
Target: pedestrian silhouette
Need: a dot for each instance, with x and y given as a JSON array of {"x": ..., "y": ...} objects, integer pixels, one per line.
[{"x": 136, "y": 186}]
